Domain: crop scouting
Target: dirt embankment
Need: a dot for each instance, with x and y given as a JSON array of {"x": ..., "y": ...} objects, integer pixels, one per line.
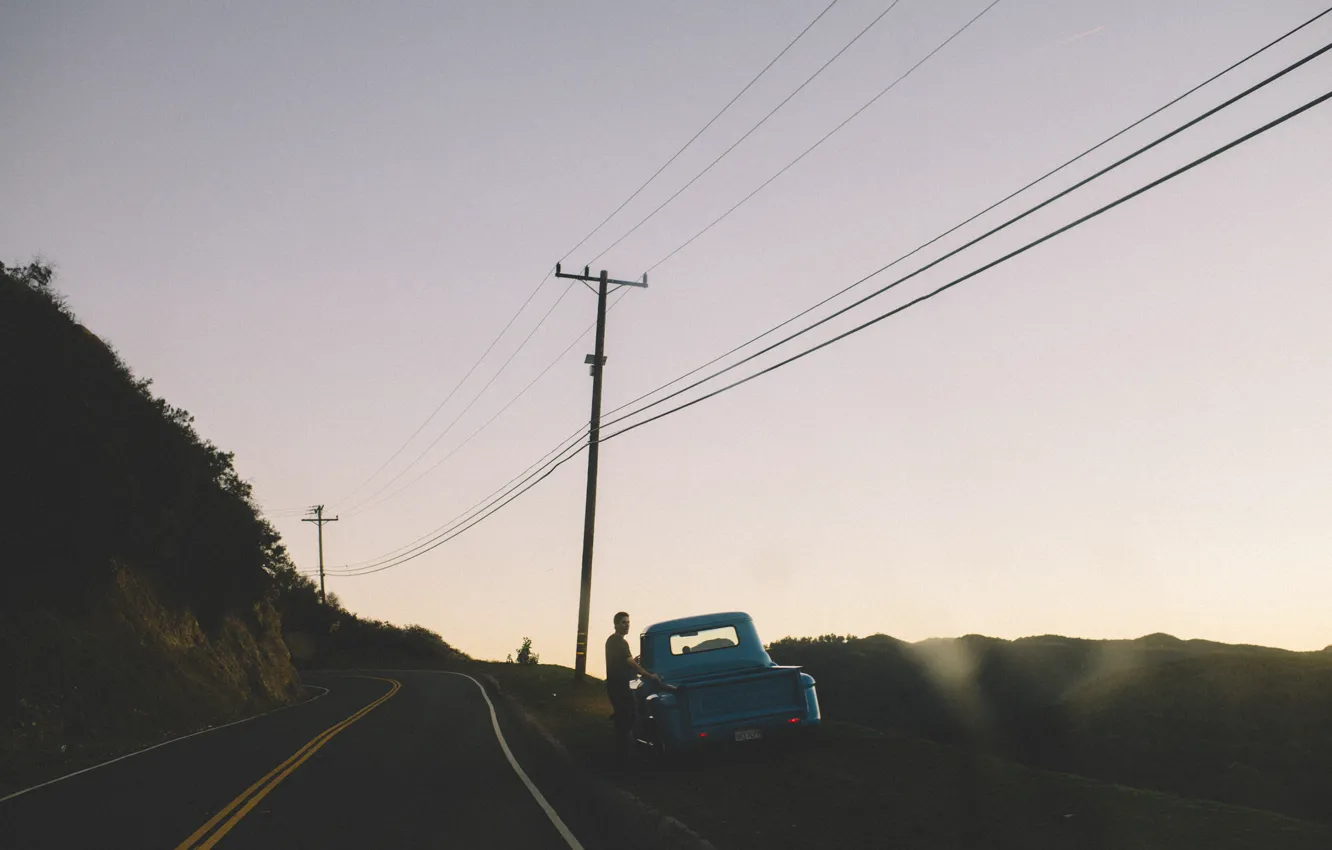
[{"x": 123, "y": 671}]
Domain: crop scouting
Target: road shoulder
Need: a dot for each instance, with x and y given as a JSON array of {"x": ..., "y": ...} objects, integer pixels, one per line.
[{"x": 602, "y": 812}]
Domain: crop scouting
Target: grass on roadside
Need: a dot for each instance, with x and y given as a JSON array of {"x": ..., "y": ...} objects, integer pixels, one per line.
[
  {"x": 578, "y": 715},
  {"x": 860, "y": 787}
]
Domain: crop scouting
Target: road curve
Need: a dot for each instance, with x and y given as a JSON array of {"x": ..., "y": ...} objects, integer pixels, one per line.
[{"x": 384, "y": 759}]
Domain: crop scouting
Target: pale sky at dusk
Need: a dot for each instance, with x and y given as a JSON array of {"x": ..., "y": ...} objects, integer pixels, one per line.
[{"x": 305, "y": 222}]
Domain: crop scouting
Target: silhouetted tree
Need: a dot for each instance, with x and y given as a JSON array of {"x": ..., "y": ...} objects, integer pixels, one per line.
[
  {"x": 525, "y": 653},
  {"x": 89, "y": 440}
]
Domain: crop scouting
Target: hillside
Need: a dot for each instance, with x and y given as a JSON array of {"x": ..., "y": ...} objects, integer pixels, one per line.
[
  {"x": 1243, "y": 725},
  {"x": 138, "y": 585},
  {"x": 328, "y": 636}
]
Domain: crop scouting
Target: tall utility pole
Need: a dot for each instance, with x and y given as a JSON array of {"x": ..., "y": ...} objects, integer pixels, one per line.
[
  {"x": 598, "y": 362},
  {"x": 319, "y": 521}
]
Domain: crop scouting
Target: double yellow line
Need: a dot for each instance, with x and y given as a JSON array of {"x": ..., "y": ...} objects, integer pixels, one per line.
[{"x": 250, "y": 797}]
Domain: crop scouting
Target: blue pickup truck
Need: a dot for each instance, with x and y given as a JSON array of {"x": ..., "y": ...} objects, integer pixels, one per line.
[{"x": 718, "y": 685}]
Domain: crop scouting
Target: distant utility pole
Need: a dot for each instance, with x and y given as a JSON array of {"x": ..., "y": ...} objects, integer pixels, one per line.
[
  {"x": 318, "y": 519},
  {"x": 598, "y": 362}
]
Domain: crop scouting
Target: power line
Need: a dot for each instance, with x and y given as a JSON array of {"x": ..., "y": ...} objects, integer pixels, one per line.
[
  {"x": 532, "y": 295},
  {"x": 455, "y": 389},
  {"x": 972, "y": 218},
  {"x": 829, "y": 135},
  {"x": 1231, "y": 101},
  {"x": 574, "y": 437},
  {"x": 370, "y": 501},
  {"x": 471, "y": 436},
  {"x": 565, "y": 445},
  {"x": 991, "y": 232},
  {"x": 550, "y": 467},
  {"x": 956, "y": 227},
  {"x": 820, "y": 142},
  {"x": 357, "y": 507},
  {"x": 279, "y": 513},
  {"x": 408, "y": 552},
  {"x": 580, "y": 243},
  {"x": 992, "y": 206},
  {"x": 365, "y": 505},
  {"x": 479, "y": 512},
  {"x": 694, "y": 138},
  {"x": 748, "y": 132},
  {"x": 927, "y": 296}
]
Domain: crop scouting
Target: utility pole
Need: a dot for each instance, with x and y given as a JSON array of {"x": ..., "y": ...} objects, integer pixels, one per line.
[
  {"x": 598, "y": 362},
  {"x": 318, "y": 511}
]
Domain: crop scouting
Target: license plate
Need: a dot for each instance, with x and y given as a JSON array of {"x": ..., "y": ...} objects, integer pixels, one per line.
[{"x": 748, "y": 734}]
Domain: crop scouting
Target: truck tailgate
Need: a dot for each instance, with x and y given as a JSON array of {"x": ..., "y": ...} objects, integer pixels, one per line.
[{"x": 723, "y": 700}]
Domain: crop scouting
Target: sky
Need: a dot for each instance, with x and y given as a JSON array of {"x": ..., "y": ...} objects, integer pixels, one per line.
[{"x": 307, "y": 222}]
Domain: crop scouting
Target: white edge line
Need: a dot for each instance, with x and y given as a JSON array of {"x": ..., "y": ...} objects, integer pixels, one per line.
[
  {"x": 513, "y": 762},
  {"x": 164, "y": 743}
]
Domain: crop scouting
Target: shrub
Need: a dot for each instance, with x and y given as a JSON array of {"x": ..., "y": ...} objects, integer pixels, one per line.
[{"x": 525, "y": 653}]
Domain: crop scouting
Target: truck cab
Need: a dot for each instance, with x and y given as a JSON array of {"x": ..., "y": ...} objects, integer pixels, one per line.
[{"x": 718, "y": 685}]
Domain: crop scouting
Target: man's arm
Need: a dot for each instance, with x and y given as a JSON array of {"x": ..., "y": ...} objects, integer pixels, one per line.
[{"x": 642, "y": 671}]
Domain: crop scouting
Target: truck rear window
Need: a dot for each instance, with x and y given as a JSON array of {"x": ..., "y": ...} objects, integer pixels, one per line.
[{"x": 704, "y": 640}]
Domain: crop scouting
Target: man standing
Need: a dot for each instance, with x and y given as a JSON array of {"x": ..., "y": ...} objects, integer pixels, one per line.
[{"x": 620, "y": 670}]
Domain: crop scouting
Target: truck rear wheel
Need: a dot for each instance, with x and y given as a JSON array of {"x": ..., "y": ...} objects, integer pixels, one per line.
[{"x": 656, "y": 744}]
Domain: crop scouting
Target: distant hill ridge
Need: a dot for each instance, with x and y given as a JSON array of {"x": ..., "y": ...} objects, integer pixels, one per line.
[
  {"x": 1233, "y": 723},
  {"x": 1160, "y": 640}
]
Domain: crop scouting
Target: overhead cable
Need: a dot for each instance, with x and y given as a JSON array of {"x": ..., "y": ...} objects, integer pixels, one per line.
[
  {"x": 827, "y": 136},
  {"x": 479, "y": 512},
  {"x": 448, "y": 428},
  {"x": 992, "y": 206},
  {"x": 1010, "y": 255},
  {"x": 453, "y": 391},
  {"x": 748, "y": 132},
  {"x": 1029, "y": 211},
  {"x": 564, "y": 445},
  {"x": 550, "y": 467},
  {"x": 972, "y": 218},
  {"x": 694, "y": 138},
  {"x": 579, "y": 244},
  {"x": 578, "y": 434},
  {"x": 370, "y": 504}
]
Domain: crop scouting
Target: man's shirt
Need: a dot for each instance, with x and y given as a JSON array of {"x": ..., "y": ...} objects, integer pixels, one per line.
[{"x": 618, "y": 668}]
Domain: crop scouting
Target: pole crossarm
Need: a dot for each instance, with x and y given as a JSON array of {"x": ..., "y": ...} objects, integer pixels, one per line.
[{"x": 588, "y": 277}]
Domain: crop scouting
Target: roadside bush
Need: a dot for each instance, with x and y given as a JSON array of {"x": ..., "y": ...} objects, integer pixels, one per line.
[{"x": 525, "y": 654}]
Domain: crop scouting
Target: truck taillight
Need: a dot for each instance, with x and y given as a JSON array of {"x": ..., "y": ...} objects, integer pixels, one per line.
[{"x": 794, "y": 720}]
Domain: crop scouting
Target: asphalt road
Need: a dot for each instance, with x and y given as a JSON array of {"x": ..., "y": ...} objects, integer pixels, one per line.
[{"x": 383, "y": 760}]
